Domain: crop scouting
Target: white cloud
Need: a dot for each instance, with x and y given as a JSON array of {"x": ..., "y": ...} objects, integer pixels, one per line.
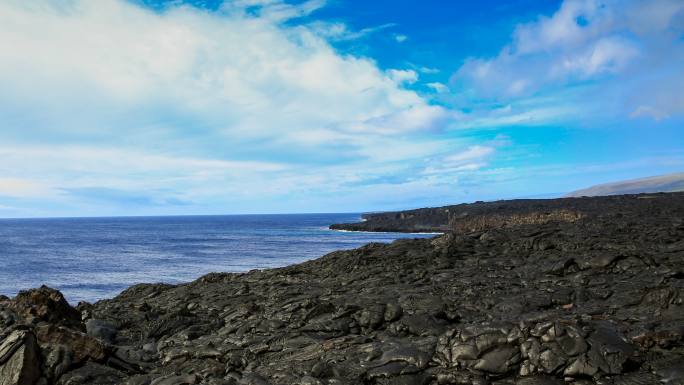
[
  {"x": 272, "y": 10},
  {"x": 648, "y": 111},
  {"x": 250, "y": 75},
  {"x": 243, "y": 103},
  {"x": 337, "y": 31},
  {"x": 631, "y": 49},
  {"x": 428, "y": 70},
  {"x": 438, "y": 87},
  {"x": 78, "y": 176},
  {"x": 403, "y": 76},
  {"x": 445, "y": 168},
  {"x": 607, "y": 55},
  {"x": 22, "y": 188},
  {"x": 472, "y": 153},
  {"x": 72, "y": 167},
  {"x": 400, "y": 38},
  {"x": 573, "y": 25},
  {"x": 534, "y": 111},
  {"x": 412, "y": 119}
]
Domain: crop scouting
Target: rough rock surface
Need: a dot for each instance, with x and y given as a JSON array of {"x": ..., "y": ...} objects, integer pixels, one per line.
[
  {"x": 491, "y": 215},
  {"x": 579, "y": 292},
  {"x": 19, "y": 359}
]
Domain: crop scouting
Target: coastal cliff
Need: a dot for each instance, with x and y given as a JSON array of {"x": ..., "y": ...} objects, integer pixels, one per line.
[
  {"x": 529, "y": 292},
  {"x": 483, "y": 215}
]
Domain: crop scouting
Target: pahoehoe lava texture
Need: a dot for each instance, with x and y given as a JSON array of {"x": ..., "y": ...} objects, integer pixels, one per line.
[{"x": 570, "y": 291}]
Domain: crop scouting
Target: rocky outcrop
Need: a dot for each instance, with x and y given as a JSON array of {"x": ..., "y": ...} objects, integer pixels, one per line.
[
  {"x": 427, "y": 220},
  {"x": 489, "y": 221},
  {"x": 46, "y": 305},
  {"x": 593, "y": 294},
  {"x": 19, "y": 359},
  {"x": 480, "y": 216}
]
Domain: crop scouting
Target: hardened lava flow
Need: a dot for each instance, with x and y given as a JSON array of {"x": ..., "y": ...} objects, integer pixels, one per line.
[{"x": 573, "y": 291}]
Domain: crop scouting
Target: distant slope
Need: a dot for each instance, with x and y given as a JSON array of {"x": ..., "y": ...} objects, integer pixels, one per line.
[{"x": 661, "y": 183}]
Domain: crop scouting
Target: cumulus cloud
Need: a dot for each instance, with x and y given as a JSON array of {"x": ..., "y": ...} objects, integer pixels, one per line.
[
  {"x": 403, "y": 76},
  {"x": 631, "y": 50},
  {"x": 244, "y": 71},
  {"x": 195, "y": 104},
  {"x": 251, "y": 108}
]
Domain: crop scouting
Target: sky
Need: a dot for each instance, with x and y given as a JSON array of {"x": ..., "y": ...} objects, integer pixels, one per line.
[{"x": 150, "y": 107}]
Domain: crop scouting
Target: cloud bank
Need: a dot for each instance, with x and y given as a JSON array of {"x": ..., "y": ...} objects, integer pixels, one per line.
[
  {"x": 111, "y": 108},
  {"x": 628, "y": 53},
  {"x": 197, "y": 106},
  {"x": 239, "y": 70}
]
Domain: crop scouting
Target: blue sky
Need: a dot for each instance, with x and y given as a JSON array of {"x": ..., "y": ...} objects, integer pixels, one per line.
[{"x": 146, "y": 107}]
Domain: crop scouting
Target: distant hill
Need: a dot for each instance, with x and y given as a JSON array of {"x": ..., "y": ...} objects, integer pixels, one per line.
[{"x": 661, "y": 183}]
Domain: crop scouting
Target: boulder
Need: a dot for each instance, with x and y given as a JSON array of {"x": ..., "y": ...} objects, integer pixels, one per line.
[
  {"x": 83, "y": 346},
  {"x": 19, "y": 359},
  {"x": 47, "y": 305},
  {"x": 101, "y": 329}
]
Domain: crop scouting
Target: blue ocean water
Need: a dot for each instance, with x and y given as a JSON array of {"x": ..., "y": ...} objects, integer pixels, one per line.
[{"x": 95, "y": 258}]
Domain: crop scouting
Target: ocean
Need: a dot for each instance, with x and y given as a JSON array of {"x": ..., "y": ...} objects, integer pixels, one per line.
[{"x": 89, "y": 259}]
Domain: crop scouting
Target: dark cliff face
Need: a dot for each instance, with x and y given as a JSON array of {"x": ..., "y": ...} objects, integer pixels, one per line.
[
  {"x": 499, "y": 214},
  {"x": 427, "y": 220},
  {"x": 577, "y": 292}
]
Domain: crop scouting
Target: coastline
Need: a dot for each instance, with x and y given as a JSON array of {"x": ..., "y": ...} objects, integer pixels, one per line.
[
  {"x": 95, "y": 258},
  {"x": 385, "y": 232},
  {"x": 515, "y": 296}
]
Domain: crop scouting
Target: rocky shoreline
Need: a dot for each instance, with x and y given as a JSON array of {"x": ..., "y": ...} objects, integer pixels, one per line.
[
  {"x": 569, "y": 291},
  {"x": 468, "y": 217}
]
